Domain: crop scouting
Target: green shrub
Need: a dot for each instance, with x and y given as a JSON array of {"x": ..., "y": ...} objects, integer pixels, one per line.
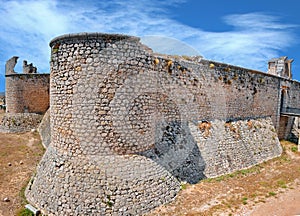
[
  {"x": 244, "y": 200},
  {"x": 272, "y": 193},
  {"x": 294, "y": 149}
]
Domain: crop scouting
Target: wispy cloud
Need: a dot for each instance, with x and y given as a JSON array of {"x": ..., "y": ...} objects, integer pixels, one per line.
[
  {"x": 28, "y": 26},
  {"x": 255, "y": 38},
  {"x": 255, "y": 21}
]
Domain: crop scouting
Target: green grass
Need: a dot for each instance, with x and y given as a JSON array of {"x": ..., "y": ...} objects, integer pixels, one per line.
[
  {"x": 281, "y": 184},
  {"x": 220, "y": 178},
  {"x": 244, "y": 172},
  {"x": 109, "y": 204},
  {"x": 22, "y": 195},
  {"x": 254, "y": 195},
  {"x": 272, "y": 193},
  {"x": 183, "y": 186},
  {"x": 294, "y": 149},
  {"x": 285, "y": 158},
  {"x": 24, "y": 212},
  {"x": 244, "y": 200}
]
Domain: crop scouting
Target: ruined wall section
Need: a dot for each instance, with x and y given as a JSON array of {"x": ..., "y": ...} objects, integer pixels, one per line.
[
  {"x": 19, "y": 122},
  {"x": 27, "y": 93},
  {"x": 128, "y": 125}
]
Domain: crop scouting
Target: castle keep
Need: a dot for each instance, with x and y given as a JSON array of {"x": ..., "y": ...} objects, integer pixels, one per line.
[{"x": 127, "y": 125}]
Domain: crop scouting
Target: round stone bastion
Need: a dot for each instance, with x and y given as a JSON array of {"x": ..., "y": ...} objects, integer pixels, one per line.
[{"x": 108, "y": 112}]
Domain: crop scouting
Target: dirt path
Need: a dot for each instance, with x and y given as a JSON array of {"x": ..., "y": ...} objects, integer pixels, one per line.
[
  {"x": 19, "y": 155},
  {"x": 286, "y": 204}
]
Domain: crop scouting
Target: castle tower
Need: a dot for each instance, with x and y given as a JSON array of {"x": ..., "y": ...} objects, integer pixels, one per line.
[
  {"x": 93, "y": 165},
  {"x": 281, "y": 67}
]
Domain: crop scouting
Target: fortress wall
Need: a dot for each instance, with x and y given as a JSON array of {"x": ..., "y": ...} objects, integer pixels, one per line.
[
  {"x": 239, "y": 93},
  {"x": 128, "y": 125},
  {"x": 284, "y": 123},
  {"x": 294, "y": 95},
  {"x": 289, "y": 106},
  {"x": 27, "y": 93}
]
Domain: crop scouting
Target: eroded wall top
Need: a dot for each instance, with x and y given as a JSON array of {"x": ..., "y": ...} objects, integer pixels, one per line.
[{"x": 281, "y": 67}]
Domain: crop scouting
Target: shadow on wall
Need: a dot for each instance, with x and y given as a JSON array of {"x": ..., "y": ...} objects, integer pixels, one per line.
[
  {"x": 160, "y": 130},
  {"x": 293, "y": 136},
  {"x": 177, "y": 151}
]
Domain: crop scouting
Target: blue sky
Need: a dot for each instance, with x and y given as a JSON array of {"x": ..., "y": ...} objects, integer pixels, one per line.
[{"x": 241, "y": 32}]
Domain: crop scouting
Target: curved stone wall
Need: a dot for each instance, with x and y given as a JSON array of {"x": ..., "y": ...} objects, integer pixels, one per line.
[
  {"x": 128, "y": 125},
  {"x": 45, "y": 130},
  {"x": 92, "y": 166}
]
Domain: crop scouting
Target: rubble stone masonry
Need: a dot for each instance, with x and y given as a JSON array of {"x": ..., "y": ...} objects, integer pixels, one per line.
[
  {"x": 128, "y": 125},
  {"x": 27, "y": 93}
]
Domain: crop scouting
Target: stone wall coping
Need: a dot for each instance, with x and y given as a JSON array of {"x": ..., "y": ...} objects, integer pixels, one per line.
[
  {"x": 29, "y": 75},
  {"x": 221, "y": 64},
  {"x": 99, "y": 35},
  {"x": 91, "y": 35}
]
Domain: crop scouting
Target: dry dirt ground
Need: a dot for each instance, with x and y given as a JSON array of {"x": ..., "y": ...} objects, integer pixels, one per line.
[
  {"x": 19, "y": 155},
  {"x": 271, "y": 188}
]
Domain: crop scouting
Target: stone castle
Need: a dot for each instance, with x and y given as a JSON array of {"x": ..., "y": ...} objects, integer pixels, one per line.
[
  {"x": 128, "y": 125},
  {"x": 26, "y": 97},
  {"x": 26, "y": 92}
]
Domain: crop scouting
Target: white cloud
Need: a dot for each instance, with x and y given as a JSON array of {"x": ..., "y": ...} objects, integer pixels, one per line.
[
  {"x": 30, "y": 25},
  {"x": 257, "y": 21},
  {"x": 27, "y": 28},
  {"x": 255, "y": 39}
]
